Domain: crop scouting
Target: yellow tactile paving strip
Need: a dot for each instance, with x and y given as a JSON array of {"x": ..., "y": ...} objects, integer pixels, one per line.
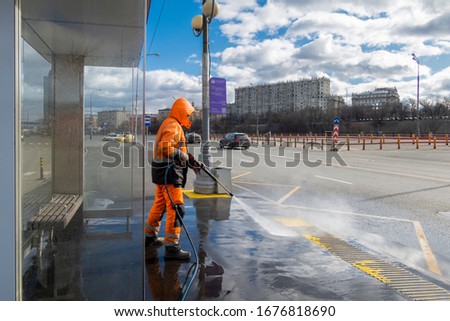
[
  {"x": 404, "y": 282},
  {"x": 192, "y": 194}
]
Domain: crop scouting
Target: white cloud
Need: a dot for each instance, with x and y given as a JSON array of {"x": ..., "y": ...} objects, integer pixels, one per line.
[
  {"x": 115, "y": 84},
  {"x": 351, "y": 41},
  {"x": 117, "y": 90},
  {"x": 359, "y": 44},
  {"x": 437, "y": 83},
  {"x": 165, "y": 85}
]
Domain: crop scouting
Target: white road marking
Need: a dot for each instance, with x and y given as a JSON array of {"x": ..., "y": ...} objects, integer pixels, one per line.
[
  {"x": 333, "y": 179},
  {"x": 443, "y": 180}
]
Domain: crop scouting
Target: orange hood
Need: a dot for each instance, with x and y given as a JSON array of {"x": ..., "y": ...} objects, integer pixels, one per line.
[{"x": 181, "y": 111}]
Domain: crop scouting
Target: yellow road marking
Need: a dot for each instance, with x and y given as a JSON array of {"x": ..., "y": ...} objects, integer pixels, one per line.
[
  {"x": 282, "y": 199},
  {"x": 316, "y": 240},
  {"x": 376, "y": 273},
  {"x": 285, "y": 197},
  {"x": 426, "y": 249},
  {"x": 253, "y": 192},
  {"x": 266, "y": 184},
  {"x": 240, "y": 175},
  {"x": 291, "y": 222}
]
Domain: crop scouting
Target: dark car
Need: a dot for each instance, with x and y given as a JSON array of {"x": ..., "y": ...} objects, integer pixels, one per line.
[
  {"x": 232, "y": 140},
  {"x": 192, "y": 138}
]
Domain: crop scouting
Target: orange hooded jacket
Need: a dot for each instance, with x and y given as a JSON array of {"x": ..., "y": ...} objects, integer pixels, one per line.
[
  {"x": 170, "y": 141},
  {"x": 170, "y": 137}
]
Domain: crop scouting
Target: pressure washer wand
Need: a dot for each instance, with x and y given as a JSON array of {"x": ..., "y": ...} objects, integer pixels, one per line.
[{"x": 198, "y": 164}]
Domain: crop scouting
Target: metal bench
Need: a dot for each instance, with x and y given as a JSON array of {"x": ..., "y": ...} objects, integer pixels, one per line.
[{"x": 56, "y": 214}]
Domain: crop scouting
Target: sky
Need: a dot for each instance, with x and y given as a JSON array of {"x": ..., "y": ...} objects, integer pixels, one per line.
[{"x": 359, "y": 45}]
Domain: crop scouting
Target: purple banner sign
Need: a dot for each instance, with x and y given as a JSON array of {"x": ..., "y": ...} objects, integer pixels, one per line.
[{"x": 217, "y": 96}]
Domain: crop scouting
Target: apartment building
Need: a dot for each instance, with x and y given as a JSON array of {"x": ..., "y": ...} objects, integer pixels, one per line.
[
  {"x": 164, "y": 113},
  {"x": 112, "y": 118},
  {"x": 376, "y": 98},
  {"x": 286, "y": 96}
]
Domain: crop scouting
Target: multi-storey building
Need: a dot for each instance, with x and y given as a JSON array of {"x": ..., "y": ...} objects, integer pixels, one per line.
[
  {"x": 376, "y": 98},
  {"x": 164, "y": 113},
  {"x": 283, "y": 96},
  {"x": 335, "y": 101},
  {"x": 112, "y": 118}
]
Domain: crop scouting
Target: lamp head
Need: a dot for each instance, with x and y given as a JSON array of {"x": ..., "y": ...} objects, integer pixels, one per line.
[
  {"x": 210, "y": 9},
  {"x": 197, "y": 24}
]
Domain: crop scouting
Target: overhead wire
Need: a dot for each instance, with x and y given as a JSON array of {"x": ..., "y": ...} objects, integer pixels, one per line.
[{"x": 156, "y": 27}]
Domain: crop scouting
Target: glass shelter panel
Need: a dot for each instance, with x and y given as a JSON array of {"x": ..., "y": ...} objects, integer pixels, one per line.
[{"x": 82, "y": 190}]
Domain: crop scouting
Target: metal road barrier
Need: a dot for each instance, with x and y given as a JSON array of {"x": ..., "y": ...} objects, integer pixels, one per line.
[{"x": 351, "y": 141}]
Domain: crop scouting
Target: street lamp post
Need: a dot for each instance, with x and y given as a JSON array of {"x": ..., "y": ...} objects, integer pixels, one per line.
[
  {"x": 257, "y": 118},
  {"x": 92, "y": 117},
  {"x": 203, "y": 184},
  {"x": 257, "y": 111},
  {"x": 417, "y": 101},
  {"x": 134, "y": 101}
]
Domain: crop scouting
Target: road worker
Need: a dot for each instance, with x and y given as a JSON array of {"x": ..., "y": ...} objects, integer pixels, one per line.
[{"x": 169, "y": 173}]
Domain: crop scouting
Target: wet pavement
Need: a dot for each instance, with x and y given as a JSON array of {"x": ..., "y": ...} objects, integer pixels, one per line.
[
  {"x": 249, "y": 256},
  {"x": 247, "y": 250},
  {"x": 249, "y": 247}
]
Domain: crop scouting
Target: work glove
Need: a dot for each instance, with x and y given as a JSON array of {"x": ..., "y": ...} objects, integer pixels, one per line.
[{"x": 194, "y": 164}]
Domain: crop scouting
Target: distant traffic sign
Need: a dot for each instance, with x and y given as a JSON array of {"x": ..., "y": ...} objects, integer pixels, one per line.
[
  {"x": 148, "y": 121},
  {"x": 336, "y": 122}
]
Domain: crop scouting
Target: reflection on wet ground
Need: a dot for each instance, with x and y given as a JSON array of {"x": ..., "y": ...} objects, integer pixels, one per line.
[
  {"x": 239, "y": 258},
  {"x": 208, "y": 282}
]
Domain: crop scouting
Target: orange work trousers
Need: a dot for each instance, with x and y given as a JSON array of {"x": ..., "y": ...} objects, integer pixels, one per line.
[{"x": 161, "y": 205}]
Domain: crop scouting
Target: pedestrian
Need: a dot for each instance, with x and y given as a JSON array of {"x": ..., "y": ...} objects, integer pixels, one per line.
[{"x": 169, "y": 171}]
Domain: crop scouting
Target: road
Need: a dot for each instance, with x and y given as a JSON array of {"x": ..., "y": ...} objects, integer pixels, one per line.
[
  {"x": 33, "y": 148},
  {"x": 271, "y": 241},
  {"x": 392, "y": 201}
]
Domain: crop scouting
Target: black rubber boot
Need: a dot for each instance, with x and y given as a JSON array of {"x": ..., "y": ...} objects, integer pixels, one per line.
[
  {"x": 153, "y": 241},
  {"x": 175, "y": 253}
]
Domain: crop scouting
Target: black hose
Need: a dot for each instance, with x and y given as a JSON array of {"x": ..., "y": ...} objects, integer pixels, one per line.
[{"x": 189, "y": 284}]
